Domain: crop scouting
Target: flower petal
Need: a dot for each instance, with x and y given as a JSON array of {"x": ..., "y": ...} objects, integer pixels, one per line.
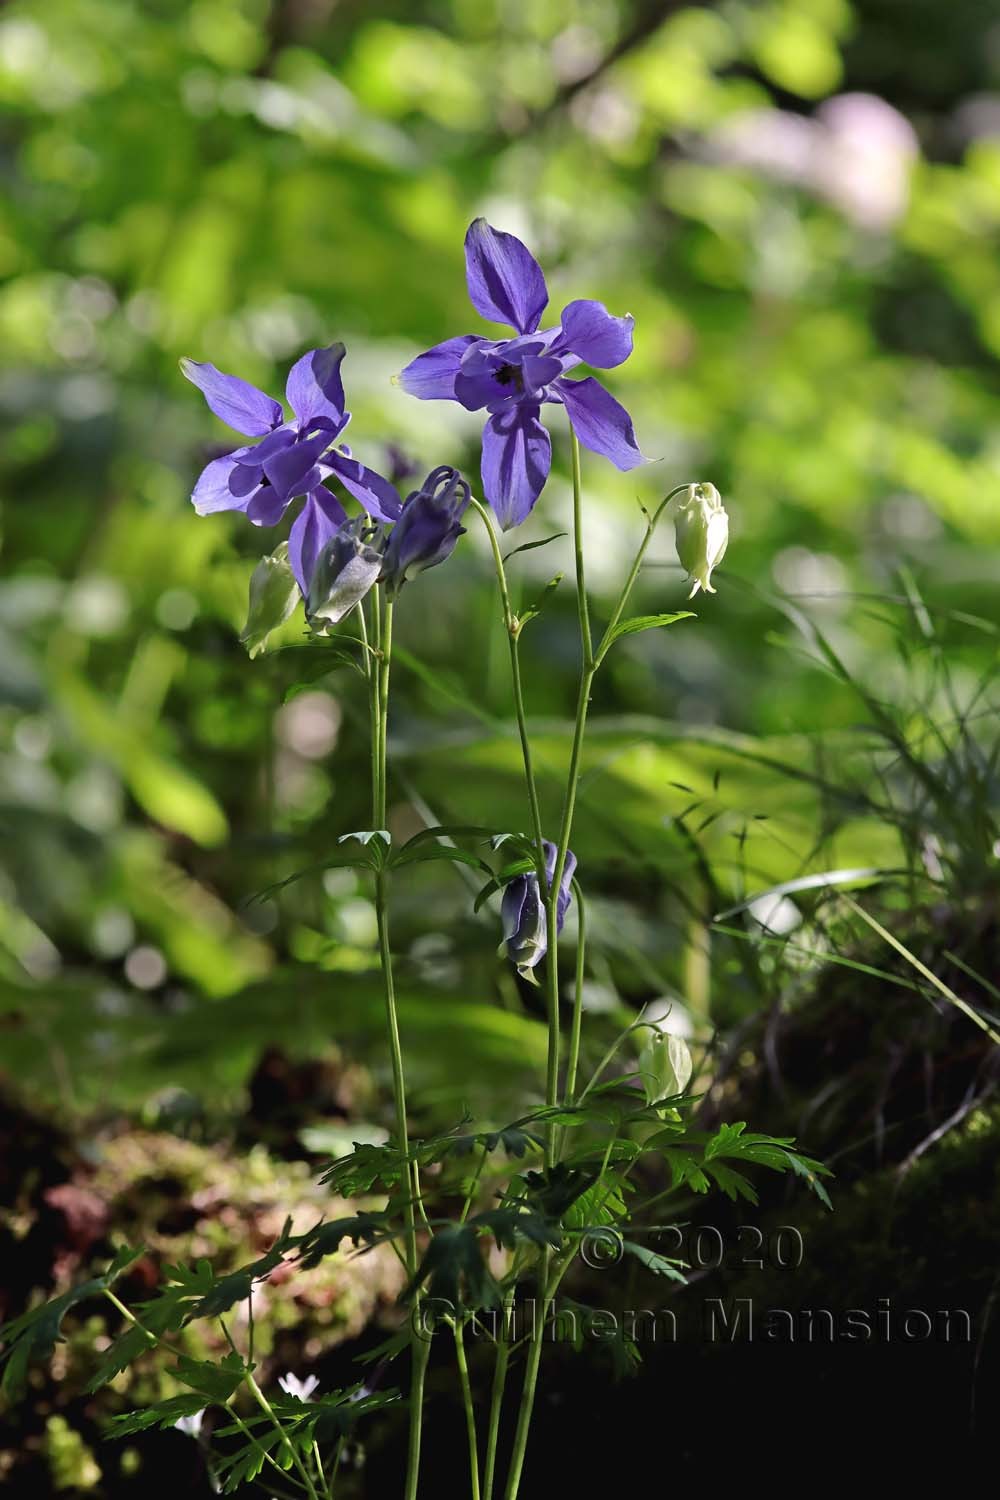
[
  {"x": 244, "y": 479},
  {"x": 431, "y": 376},
  {"x": 265, "y": 507},
  {"x": 600, "y": 422},
  {"x": 292, "y": 471},
  {"x": 255, "y": 454},
  {"x": 590, "y": 331},
  {"x": 315, "y": 525},
  {"x": 505, "y": 280},
  {"x": 213, "y": 493},
  {"x": 517, "y": 453},
  {"x": 315, "y": 388},
  {"x": 377, "y": 495},
  {"x": 243, "y": 406}
]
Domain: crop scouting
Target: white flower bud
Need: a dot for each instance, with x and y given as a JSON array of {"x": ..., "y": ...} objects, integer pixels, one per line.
[{"x": 702, "y": 532}]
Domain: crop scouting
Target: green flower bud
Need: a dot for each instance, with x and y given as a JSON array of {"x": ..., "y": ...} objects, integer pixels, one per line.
[
  {"x": 701, "y": 527},
  {"x": 274, "y": 594}
]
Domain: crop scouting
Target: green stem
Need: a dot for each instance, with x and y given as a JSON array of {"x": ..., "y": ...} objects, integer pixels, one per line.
[
  {"x": 496, "y": 1396},
  {"x": 581, "y": 582},
  {"x": 395, "y": 1053},
  {"x": 581, "y": 962},
  {"x": 651, "y": 524},
  {"x": 155, "y": 1341},
  {"x": 420, "y": 1353},
  {"x": 420, "y": 1350},
  {"x": 473, "y": 1185},
  {"x": 267, "y": 1408},
  {"x": 338, "y": 1454},
  {"x": 512, "y": 630},
  {"x": 384, "y": 666},
  {"x": 470, "y": 1411},
  {"x": 587, "y": 671},
  {"x": 372, "y": 678},
  {"x": 531, "y": 1378}
]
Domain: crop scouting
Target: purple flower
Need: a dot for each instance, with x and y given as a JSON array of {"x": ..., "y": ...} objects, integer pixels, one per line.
[
  {"x": 428, "y": 528},
  {"x": 525, "y": 925},
  {"x": 291, "y": 459},
  {"x": 513, "y": 378}
]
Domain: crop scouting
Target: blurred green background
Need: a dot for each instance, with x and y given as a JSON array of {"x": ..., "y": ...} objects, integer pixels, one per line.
[{"x": 799, "y": 201}]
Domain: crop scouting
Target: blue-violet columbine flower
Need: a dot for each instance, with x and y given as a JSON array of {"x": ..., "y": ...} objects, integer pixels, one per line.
[
  {"x": 525, "y": 925},
  {"x": 428, "y": 528},
  {"x": 292, "y": 458},
  {"x": 513, "y": 378}
]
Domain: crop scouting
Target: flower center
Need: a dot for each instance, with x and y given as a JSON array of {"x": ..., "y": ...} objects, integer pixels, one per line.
[{"x": 510, "y": 375}]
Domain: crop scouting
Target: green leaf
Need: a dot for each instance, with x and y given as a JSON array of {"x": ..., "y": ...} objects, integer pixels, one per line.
[
  {"x": 335, "y": 659},
  {"x": 506, "y": 875},
  {"x": 449, "y": 831},
  {"x": 446, "y": 852},
  {"x": 214, "y": 1382},
  {"x": 534, "y": 610},
  {"x": 531, "y": 546},
  {"x": 660, "y": 1265},
  {"x": 511, "y": 1227},
  {"x": 732, "y": 1183},
  {"x": 555, "y": 1191},
  {"x": 454, "y": 1270},
  {"x": 326, "y": 1237},
  {"x": 34, "y": 1335},
  {"x": 641, "y": 622},
  {"x": 124, "y": 1351},
  {"x": 225, "y": 1291},
  {"x": 162, "y": 1414}
]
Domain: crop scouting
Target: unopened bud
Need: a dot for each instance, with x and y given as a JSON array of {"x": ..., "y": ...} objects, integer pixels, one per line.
[
  {"x": 274, "y": 594},
  {"x": 345, "y": 570},
  {"x": 702, "y": 533}
]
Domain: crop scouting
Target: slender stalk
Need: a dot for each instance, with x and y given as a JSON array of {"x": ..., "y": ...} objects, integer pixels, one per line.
[
  {"x": 420, "y": 1353},
  {"x": 372, "y": 677},
  {"x": 581, "y": 582},
  {"x": 470, "y": 1411},
  {"x": 473, "y": 1185},
  {"x": 155, "y": 1341},
  {"x": 395, "y": 1053},
  {"x": 267, "y": 1408},
  {"x": 512, "y": 630},
  {"x": 587, "y": 670},
  {"x": 384, "y": 666},
  {"x": 496, "y": 1396},
  {"x": 420, "y": 1348},
  {"x": 651, "y": 524},
  {"x": 338, "y": 1454},
  {"x": 531, "y": 1377},
  {"x": 581, "y": 963}
]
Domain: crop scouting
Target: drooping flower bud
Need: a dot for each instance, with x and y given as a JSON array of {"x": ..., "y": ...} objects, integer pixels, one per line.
[
  {"x": 702, "y": 532},
  {"x": 345, "y": 570},
  {"x": 427, "y": 529},
  {"x": 274, "y": 594},
  {"x": 525, "y": 924}
]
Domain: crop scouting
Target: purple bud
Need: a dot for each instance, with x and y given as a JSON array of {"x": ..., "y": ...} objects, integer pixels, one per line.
[
  {"x": 525, "y": 925},
  {"x": 345, "y": 570},
  {"x": 427, "y": 529}
]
